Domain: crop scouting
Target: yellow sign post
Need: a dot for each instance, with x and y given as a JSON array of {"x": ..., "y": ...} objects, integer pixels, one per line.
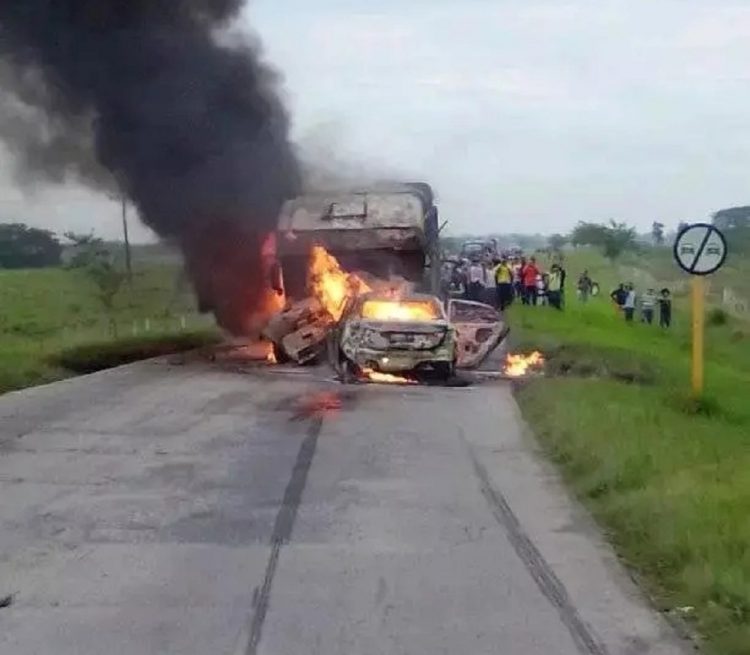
[
  {"x": 699, "y": 302},
  {"x": 699, "y": 250}
]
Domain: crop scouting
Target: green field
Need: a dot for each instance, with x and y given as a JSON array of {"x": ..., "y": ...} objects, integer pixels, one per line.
[
  {"x": 46, "y": 312},
  {"x": 668, "y": 476}
]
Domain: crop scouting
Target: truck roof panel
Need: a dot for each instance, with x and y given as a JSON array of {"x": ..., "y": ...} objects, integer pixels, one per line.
[{"x": 355, "y": 211}]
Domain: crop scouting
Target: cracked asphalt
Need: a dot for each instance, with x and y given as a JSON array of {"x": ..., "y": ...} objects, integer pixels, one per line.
[{"x": 188, "y": 510}]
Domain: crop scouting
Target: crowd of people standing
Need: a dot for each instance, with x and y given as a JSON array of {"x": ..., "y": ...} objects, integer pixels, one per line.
[
  {"x": 502, "y": 280},
  {"x": 628, "y": 301}
]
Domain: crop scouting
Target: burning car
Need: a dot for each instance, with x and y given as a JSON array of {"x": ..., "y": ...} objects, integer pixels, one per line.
[{"x": 386, "y": 335}]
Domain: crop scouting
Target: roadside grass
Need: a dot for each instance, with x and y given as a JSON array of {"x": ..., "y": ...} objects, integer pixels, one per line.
[
  {"x": 50, "y": 312},
  {"x": 668, "y": 476}
]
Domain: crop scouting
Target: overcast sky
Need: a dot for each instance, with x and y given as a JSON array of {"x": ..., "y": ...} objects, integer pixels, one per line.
[{"x": 525, "y": 115}]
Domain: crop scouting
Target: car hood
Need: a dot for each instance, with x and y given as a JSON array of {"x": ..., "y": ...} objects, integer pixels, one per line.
[{"x": 414, "y": 327}]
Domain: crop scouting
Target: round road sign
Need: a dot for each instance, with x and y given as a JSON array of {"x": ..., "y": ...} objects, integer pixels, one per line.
[{"x": 700, "y": 249}]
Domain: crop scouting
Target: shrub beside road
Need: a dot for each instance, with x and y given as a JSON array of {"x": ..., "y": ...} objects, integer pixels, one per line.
[{"x": 668, "y": 476}]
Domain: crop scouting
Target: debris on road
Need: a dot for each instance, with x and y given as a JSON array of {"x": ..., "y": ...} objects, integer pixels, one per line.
[{"x": 298, "y": 333}]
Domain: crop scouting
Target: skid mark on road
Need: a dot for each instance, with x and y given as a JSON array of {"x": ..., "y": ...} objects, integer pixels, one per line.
[
  {"x": 549, "y": 584},
  {"x": 282, "y": 529}
]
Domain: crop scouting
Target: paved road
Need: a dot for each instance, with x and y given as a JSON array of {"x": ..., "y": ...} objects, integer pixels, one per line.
[{"x": 161, "y": 509}]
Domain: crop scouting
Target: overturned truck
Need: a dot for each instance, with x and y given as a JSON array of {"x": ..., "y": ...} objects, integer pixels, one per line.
[{"x": 385, "y": 231}]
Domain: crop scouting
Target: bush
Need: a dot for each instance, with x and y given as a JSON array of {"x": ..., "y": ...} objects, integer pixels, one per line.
[{"x": 717, "y": 317}]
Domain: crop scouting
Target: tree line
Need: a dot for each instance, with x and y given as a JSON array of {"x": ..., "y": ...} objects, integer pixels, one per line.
[
  {"x": 614, "y": 238},
  {"x": 22, "y": 246}
]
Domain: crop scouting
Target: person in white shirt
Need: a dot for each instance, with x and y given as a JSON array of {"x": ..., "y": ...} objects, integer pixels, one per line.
[
  {"x": 648, "y": 305},
  {"x": 541, "y": 290},
  {"x": 629, "y": 305},
  {"x": 476, "y": 281},
  {"x": 489, "y": 294}
]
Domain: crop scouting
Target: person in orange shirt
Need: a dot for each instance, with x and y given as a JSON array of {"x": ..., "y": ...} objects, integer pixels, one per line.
[{"x": 529, "y": 275}]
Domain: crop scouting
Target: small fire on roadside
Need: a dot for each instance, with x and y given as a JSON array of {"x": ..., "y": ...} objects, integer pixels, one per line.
[
  {"x": 518, "y": 365},
  {"x": 386, "y": 378}
]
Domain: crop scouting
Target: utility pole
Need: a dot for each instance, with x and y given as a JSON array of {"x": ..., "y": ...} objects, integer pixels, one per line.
[{"x": 128, "y": 262}]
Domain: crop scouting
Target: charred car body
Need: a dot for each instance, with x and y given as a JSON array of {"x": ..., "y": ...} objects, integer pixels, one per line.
[
  {"x": 413, "y": 334},
  {"x": 479, "y": 330},
  {"x": 386, "y": 335}
]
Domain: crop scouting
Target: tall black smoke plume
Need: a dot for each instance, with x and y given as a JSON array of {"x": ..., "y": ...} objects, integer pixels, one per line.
[{"x": 150, "y": 96}]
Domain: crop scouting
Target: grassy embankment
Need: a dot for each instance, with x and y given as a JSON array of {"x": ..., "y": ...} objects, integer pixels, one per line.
[
  {"x": 52, "y": 324},
  {"x": 667, "y": 476},
  {"x": 657, "y": 265}
]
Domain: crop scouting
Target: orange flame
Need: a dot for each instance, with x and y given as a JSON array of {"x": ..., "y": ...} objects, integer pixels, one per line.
[
  {"x": 386, "y": 378},
  {"x": 330, "y": 284},
  {"x": 517, "y": 366},
  {"x": 394, "y": 310}
]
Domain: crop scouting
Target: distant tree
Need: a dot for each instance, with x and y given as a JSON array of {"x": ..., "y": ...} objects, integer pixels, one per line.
[
  {"x": 735, "y": 224},
  {"x": 619, "y": 238},
  {"x": 94, "y": 258},
  {"x": 108, "y": 280},
  {"x": 82, "y": 239},
  {"x": 588, "y": 234},
  {"x": 557, "y": 242},
  {"x": 681, "y": 226},
  {"x": 733, "y": 218},
  {"x": 22, "y": 246},
  {"x": 657, "y": 233},
  {"x": 87, "y": 249},
  {"x": 613, "y": 238}
]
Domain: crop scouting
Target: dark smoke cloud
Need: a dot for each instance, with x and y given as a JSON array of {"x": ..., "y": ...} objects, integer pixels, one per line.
[{"x": 145, "y": 96}]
